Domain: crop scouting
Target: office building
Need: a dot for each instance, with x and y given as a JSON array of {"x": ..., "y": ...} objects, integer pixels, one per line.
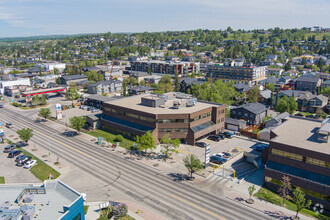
[
  {"x": 177, "y": 114},
  {"x": 299, "y": 149}
]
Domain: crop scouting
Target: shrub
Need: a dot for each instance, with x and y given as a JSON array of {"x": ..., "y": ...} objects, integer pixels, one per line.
[
  {"x": 118, "y": 138},
  {"x": 120, "y": 210},
  {"x": 16, "y": 104}
]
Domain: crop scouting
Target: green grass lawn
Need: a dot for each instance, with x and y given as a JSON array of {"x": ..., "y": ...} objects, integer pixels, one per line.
[
  {"x": 109, "y": 137},
  {"x": 270, "y": 196},
  {"x": 86, "y": 209},
  {"x": 2, "y": 180},
  {"x": 104, "y": 217}
]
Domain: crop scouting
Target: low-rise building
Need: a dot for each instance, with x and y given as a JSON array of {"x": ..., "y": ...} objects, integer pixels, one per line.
[
  {"x": 104, "y": 87},
  {"x": 249, "y": 75},
  {"x": 309, "y": 102},
  {"x": 50, "y": 200},
  {"x": 98, "y": 100},
  {"x": 186, "y": 83},
  {"x": 14, "y": 82},
  {"x": 252, "y": 113},
  {"x": 306, "y": 83},
  {"x": 137, "y": 90},
  {"x": 179, "y": 115},
  {"x": 68, "y": 79},
  {"x": 296, "y": 151}
]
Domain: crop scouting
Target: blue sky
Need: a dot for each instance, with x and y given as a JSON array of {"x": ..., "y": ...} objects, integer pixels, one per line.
[{"x": 44, "y": 17}]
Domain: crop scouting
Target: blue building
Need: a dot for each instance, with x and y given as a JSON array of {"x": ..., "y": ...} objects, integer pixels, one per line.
[{"x": 50, "y": 200}]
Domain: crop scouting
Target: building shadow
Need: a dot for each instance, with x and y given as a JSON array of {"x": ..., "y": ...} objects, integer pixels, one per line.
[
  {"x": 277, "y": 214},
  {"x": 178, "y": 177}
]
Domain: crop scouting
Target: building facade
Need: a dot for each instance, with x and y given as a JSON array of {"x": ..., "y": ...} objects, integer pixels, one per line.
[
  {"x": 307, "y": 83},
  {"x": 163, "y": 67},
  {"x": 179, "y": 115},
  {"x": 252, "y": 113},
  {"x": 296, "y": 152},
  {"x": 238, "y": 74},
  {"x": 104, "y": 87}
]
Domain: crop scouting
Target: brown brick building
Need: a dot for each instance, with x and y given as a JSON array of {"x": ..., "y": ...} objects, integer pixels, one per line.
[
  {"x": 295, "y": 150},
  {"x": 177, "y": 114}
]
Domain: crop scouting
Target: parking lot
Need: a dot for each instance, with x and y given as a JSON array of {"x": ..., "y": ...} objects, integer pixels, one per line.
[
  {"x": 227, "y": 145},
  {"x": 12, "y": 173}
]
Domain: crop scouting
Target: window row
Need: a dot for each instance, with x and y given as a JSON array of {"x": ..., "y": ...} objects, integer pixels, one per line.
[
  {"x": 201, "y": 117},
  {"x": 173, "y": 120},
  {"x": 173, "y": 130},
  {"x": 287, "y": 154},
  {"x": 130, "y": 115},
  {"x": 317, "y": 162}
]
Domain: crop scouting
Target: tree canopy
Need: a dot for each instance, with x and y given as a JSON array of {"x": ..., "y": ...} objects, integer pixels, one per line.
[
  {"x": 25, "y": 134},
  {"x": 77, "y": 122}
]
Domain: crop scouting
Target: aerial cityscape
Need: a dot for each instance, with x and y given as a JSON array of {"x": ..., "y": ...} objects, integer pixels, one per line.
[{"x": 164, "y": 110}]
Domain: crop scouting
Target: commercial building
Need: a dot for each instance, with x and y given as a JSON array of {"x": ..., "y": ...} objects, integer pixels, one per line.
[
  {"x": 51, "y": 199},
  {"x": 13, "y": 83},
  {"x": 67, "y": 80},
  {"x": 165, "y": 67},
  {"x": 98, "y": 100},
  {"x": 299, "y": 149},
  {"x": 179, "y": 115},
  {"x": 238, "y": 74}
]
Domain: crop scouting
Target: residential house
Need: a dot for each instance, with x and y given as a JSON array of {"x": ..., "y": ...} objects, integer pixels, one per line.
[
  {"x": 311, "y": 103},
  {"x": 274, "y": 71},
  {"x": 277, "y": 120},
  {"x": 137, "y": 90},
  {"x": 98, "y": 100},
  {"x": 241, "y": 87},
  {"x": 271, "y": 57},
  {"x": 326, "y": 84},
  {"x": 186, "y": 83},
  {"x": 252, "y": 113},
  {"x": 234, "y": 124},
  {"x": 306, "y": 83},
  {"x": 265, "y": 97},
  {"x": 104, "y": 87}
]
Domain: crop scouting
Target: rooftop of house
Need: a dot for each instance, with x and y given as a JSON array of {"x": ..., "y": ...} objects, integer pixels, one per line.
[
  {"x": 141, "y": 88},
  {"x": 190, "y": 81},
  {"x": 308, "y": 79},
  {"x": 310, "y": 96},
  {"x": 243, "y": 86},
  {"x": 103, "y": 98},
  {"x": 49, "y": 202},
  {"x": 134, "y": 102},
  {"x": 301, "y": 133},
  {"x": 106, "y": 82},
  {"x": 254, "y": 107}
]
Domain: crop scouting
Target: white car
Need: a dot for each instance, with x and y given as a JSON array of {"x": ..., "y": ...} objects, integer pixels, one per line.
[{"x": 30, "y": 164}]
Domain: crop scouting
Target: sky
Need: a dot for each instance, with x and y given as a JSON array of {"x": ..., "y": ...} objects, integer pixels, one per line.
[{"x": 48, "y": 17}]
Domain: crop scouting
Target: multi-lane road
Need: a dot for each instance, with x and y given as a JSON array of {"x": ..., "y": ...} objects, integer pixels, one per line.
[{"x": 146, "y": 186}]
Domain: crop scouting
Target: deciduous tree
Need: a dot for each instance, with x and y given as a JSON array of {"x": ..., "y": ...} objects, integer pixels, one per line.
[
  {"x": 169, "y": 145},
  {"x": 300, "y": 201},
  {"x": 192, "y": 163},
  {"x": 25, "y": 134},
  {"x": 77, "y": 122},
  {"x": 44, "y": 112},
  {"x": 285, "y": 187}
]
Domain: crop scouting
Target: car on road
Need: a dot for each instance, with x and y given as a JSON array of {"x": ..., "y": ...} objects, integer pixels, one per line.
[
  {"x": 9, "y": 148},
  {"x": 14, "y": 153},
  {"x": 20, "y": 157},
  {"x": 21, "y": 144},
  {"x": 22, "y": 161},
  {"x": 228, "y": 134},
  {"x": 217, "y": 160},
  {"x": 30, "y": 164},
  {"x": 9, "y": 125},
  {"x": 260, "y": 147},
  {"x": 214, "y": 138},
  {"x": 201, "y": 144}
]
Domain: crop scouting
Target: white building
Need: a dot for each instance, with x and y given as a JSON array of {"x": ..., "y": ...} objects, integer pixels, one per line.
[
  {"x": 16, "y": 82},
  {"x": 52, "y": 66}
]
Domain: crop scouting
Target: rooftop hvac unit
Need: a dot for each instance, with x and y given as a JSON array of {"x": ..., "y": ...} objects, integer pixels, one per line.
[{"x": 191, "y": 102}]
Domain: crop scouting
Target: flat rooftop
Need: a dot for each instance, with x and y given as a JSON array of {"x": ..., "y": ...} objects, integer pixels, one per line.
[
  {"x": 301, "y": 133},
  {"x": 134, "y": 102},
  {"x": 45, "y": 204}
]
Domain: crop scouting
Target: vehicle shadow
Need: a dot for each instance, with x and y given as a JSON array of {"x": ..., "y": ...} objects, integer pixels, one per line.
[
  {"x": 277, "y": 214},
  {"x": 178, "y": 177}
]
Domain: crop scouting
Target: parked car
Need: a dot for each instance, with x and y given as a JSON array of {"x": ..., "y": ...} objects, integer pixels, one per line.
[
  {"x": 222, "y": 155},
  {"x": 14, "y": 153},
  {"x": 90, "y": 108},
  {"x": 201, "y": 144},
  {"x": 9, "y": 125},
  {"x": 227, "y": 154},
  {"x": 261, "y": 147},
  {"x": 217, "y": 160},
  {"x": 21, "y": 144},
  {"x": 82, "y": 106},
  {"x": 20, "y": 157},
  {"x": 29, "y": 164},
  {"x": 95, "y": 110},
  {"x": 1, "y": 106},
  {"x": 214, "y": 138},
  {"x": 221, "y": 135},
  {"x": 228, "y": 134},
  {"x": 9, "y": 148},
  {"x": 21, "y": 162}
]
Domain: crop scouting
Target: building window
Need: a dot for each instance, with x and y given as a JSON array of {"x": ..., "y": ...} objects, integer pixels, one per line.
[
  {"x": 287, "y": 154},
  {"x": 317, "y": 162},
  {"x": 200, "y": 117}
]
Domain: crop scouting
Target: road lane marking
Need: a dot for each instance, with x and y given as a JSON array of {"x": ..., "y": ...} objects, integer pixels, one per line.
[
  {"x": 196, "y": 206},
  {"x": 72, "y": 148}
]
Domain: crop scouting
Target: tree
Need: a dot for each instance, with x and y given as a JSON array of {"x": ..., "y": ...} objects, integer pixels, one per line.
[
  {"x": 166, "y": 79},
  {"x": 300, "y": 201},
  {"x": 142, "y": 83},
  {"x": 292, "y": 104},
  {"x": 176, "y": 83},
  {"x": 77, "y": 122},
  {"x": 270, "y": 87},
  {"x": 58, "y": 81},
  {"x": 251, "y": 189},
  {"x": 287, "y": 66},
  {"x": 277, "y": 98},
  {"x": 283, "y": 105},
  {"x": 169, "y": 145},
  {"x": 25, "y": 134},
  {"x": 124, "y": 87},
  {"x": 192, "y": 163},
  {"x": 271, "y": 99},
  {"x": 253, "y": 94},
  {"x": 145, "y": 142},
  {"x": 44, "y": 112},
  {"x": 43, "y": 99},
  {"x": 285, "y": 187}
]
